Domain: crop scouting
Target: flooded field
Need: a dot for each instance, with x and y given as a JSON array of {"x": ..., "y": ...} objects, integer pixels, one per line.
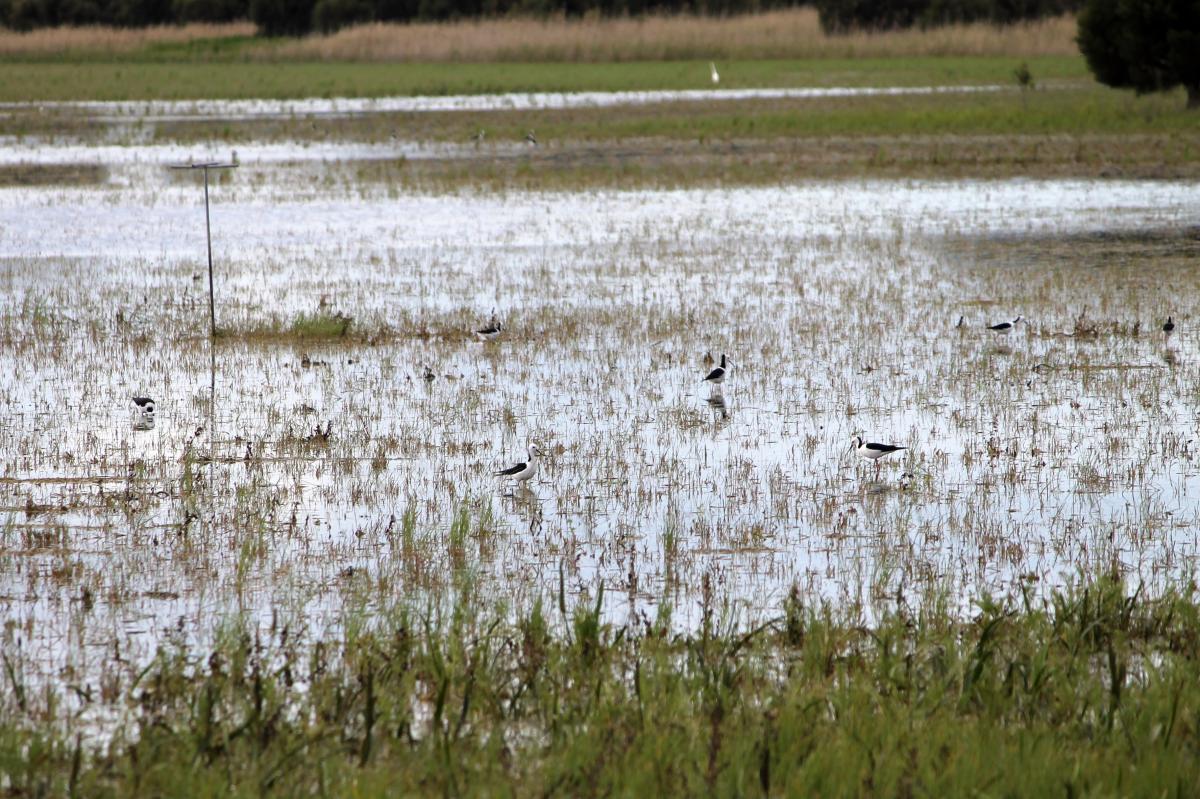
[
  {"x": 337, "y": 447},
  {"x": 241, "y": 110}
]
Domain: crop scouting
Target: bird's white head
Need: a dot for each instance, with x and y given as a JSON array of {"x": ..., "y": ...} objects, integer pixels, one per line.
[
  {"x": 856, "y": 441},
  {"x": 534, "y": 451}
]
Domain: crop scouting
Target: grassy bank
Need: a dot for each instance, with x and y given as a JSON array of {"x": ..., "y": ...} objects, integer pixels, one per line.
[
  {"x": 87, "y": 79},
  {"x": 1090, "y": 693}
]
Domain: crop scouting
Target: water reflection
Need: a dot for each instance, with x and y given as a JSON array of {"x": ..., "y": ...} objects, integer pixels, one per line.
[{"x": 720, "y": 408}]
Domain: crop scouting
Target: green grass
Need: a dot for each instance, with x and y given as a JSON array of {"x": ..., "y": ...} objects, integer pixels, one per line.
[
  {"x": 1084, "y": 110},
  {"x": 134, "y": 79},
  {"x": 320, "y": 324},
  {"x": 1092, "y": 692}
]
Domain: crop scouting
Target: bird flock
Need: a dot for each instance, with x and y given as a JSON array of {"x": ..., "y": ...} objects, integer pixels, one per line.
[{"x": 524, "y": 471}]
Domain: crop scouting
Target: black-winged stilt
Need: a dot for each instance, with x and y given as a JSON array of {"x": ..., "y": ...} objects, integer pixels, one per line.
[
  {"x": 522, "y": 472},
  {"x": 1004, "y": 328},
  {"x": 145, "y": 405},
  {"x": 491, "y": 331},
  {"x": 873, "y": 451},
  {"x": 717, "y": 375}
]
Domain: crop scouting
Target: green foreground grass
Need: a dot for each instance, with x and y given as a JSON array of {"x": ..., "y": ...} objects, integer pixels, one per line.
[
  {"x": 1090, "y": 693},
  {"x": 136, "y": 79}
]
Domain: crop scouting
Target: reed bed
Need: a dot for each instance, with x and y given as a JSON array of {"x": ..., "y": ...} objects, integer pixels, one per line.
[
  {"x": 794, "y": 33},
  {"x": 100, "y": 40}
]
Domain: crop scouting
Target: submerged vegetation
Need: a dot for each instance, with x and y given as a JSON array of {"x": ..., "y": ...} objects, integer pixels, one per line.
[{"x": 1089, "y": 691}]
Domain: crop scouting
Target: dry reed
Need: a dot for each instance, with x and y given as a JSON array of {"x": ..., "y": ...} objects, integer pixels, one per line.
[
  {"x": 105, "y": 40},
  {"x": 794, "y": 33}
]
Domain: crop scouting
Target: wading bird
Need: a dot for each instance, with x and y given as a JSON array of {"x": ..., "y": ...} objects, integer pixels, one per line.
[
  {"x": 1169, "y": 326},
  {"x": 1004, "y": 328},
  {"x": 872, "y": 451},
  {"x": 712, "y": 68},
  {"x": 522, "y": 472},
  {"x": 530, "y": 139},
  {"x": 717, "y": 375},
  {"x": 491, "y": 331}
]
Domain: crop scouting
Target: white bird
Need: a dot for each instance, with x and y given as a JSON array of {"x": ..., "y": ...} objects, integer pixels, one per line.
[
  {"x": 522, "y": 472},
  {"x": 872, "y": 451},
  {"x": 145, "y": 405},
  {"x": 713, "y": 69},
  {"x": 717, "y": 375},
  {"x": 1004, "y": 328}
]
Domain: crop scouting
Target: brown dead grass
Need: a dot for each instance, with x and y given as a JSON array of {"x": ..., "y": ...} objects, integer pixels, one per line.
[
  {"x": 103, "y": 40},
  {"x": 793, "y": 33}
]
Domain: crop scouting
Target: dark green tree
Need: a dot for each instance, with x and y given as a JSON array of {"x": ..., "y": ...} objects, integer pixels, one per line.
[
  {"x": 1144, "y": 45},
  {"x": 331, "y": 15},
  {"x": 208, "y": 10},
  {"x": 282, "y": 17}
]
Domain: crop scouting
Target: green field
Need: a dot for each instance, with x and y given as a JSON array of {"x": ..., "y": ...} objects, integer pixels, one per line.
[
  {"x": 1067, "y": 125},
  {"x": 139, "y": 77}
]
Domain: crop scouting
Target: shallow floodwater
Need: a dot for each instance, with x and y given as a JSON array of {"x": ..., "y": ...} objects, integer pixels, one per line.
[
  {"x": 1065, "y": 446},
  {"x": 240, "y": 110}
]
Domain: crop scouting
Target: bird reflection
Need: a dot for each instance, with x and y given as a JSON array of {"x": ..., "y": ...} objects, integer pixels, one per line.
[{"x": 719, "y": 407}]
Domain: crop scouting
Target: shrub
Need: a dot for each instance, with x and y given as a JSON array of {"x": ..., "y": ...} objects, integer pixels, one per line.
[{"x": 1144, "y": 45}]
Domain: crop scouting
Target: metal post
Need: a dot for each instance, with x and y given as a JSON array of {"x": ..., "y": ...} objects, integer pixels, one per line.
[{"x": 212, "y": 301}]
